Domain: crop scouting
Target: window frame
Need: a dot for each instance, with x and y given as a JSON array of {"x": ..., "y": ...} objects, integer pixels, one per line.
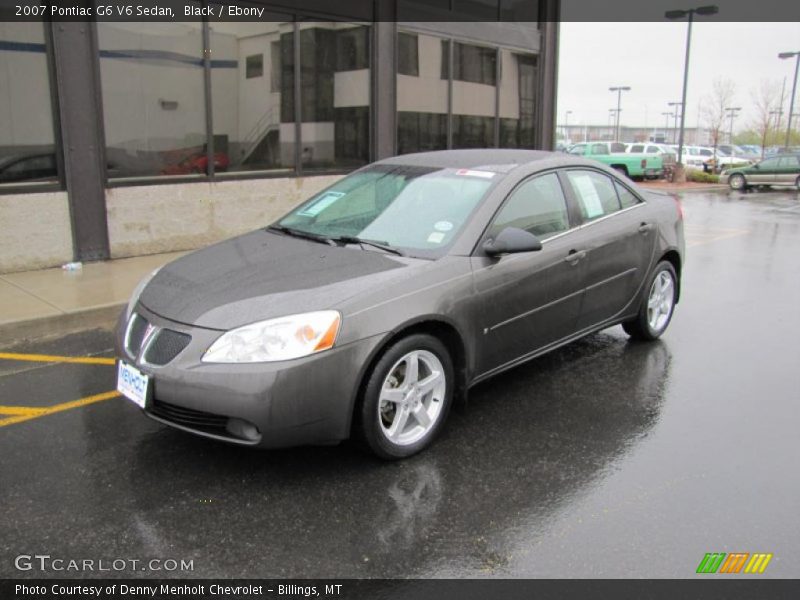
[
  {"x": 293, "y": 171},
  {"x": 59, "y": 184},
  {"x": 574, "y": 201}
]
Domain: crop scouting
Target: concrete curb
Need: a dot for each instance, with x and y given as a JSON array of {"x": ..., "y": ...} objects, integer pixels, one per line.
[
  {"x": 690, "y": 190},
  {"x": 103, "y": 317}
]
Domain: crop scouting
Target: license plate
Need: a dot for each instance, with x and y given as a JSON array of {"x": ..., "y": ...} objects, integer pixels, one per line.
[{"x": 132, "y": 383}]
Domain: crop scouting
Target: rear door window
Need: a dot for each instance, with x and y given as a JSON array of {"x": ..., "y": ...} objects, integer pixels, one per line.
[{"x": 595, "y": 193}]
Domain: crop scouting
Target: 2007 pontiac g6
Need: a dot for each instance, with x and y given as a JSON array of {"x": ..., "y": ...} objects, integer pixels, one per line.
[{"x": 366, "y": 310}]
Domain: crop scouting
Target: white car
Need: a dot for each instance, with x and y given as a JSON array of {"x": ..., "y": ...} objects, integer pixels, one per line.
[
  {"x": 694, "y": 157},
  {"x": 668, "y": 155}
]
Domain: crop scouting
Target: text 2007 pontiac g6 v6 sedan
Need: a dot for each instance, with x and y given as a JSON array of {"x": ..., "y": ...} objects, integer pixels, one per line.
[{"x": 370, "y": 307}]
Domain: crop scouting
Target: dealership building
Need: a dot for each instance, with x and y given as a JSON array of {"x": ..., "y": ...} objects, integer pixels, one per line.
[{"x": 122, "y": 138}]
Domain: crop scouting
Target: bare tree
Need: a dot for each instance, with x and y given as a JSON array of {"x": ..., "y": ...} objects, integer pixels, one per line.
[
  {"x": 766, "y": 99},
  {"x": 714, "y": 105}
]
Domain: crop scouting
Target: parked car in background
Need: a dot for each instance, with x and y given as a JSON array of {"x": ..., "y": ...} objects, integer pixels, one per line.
[
  {"x": 695, "y": 156},
  {"x": 614, "y": 154},
  {"x": 197, "y": 163},
  {"x": 753, "y": 149},
  {"x": 667, "y": 154},
  {"x": 32, "y": 167},
  {"x": 779, "y": 170},
  {"x": 368, "y": 309},
  {"x": 725, "y": 160}
]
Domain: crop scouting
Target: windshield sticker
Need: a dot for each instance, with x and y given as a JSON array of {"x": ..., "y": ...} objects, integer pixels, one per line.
[
  {"x": 471, "y": 173},
  {"x": 324, "y": 201},
  {"x": 435, "y": 238},
  {"x": 443, "y": 226},
  {"x": 589, "y": 196}
]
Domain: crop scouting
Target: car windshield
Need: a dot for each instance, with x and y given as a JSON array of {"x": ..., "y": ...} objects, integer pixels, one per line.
[{"x": 417, "y": 209}]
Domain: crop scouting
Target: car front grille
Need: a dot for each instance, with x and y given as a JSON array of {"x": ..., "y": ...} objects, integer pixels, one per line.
[
  {"x": 160, "y": 345},
  {"x": 188, "y": 417},
  {"x": 166, "y": 346}
]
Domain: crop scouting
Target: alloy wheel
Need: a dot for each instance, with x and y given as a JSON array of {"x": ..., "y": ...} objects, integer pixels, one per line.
[
  {"x": 412, "y": 397},
  {"x": 661, "y": 301}
]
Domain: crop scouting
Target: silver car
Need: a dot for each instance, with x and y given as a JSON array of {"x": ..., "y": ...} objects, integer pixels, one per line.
[{"x": 370, "y": 308}]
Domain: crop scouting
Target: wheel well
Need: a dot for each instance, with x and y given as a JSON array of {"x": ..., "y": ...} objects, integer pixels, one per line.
[
  {"x": 441, "y": 330},
  {"x": 621, "y": 168},
  {"x": 675, "y": 260}
]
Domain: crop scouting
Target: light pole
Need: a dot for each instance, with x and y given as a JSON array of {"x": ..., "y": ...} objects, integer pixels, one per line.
[
  {"x": 667, "y": 115},
  {"x": 778, "y": 115},
  {"x": 566, "y": 125},
  {"x": 678, "y": 106},
  {"x": 680, "y": 14},
  {"x": 784, "y": 55},
  {"x": 619, "y": 90},
  {"x": 612, "y": 122},
  {"x": 732, "y": 110}
]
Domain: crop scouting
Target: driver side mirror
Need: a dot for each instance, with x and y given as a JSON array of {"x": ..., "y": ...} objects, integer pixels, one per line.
[{"x": 512, "y": 240}]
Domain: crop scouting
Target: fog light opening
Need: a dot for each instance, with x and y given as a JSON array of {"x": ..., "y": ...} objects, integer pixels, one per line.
[{"x": 243, "y": 429}]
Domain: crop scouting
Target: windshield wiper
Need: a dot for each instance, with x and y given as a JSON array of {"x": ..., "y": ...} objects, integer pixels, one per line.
[
  {"x": 351, "y": 239},
  {"x": 302, "y": 234}
]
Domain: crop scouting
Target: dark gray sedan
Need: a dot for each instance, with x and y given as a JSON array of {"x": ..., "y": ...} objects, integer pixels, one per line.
[{"x": 371, "y": 307}]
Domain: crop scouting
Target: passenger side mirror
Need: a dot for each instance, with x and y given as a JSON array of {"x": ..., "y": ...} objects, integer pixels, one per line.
[
  {"x": 756, "y": 166},
  {"x": 512, "y": 240}
]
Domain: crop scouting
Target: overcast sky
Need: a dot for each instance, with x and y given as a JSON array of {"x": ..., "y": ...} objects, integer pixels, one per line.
[{"x": 649, "y": 57}]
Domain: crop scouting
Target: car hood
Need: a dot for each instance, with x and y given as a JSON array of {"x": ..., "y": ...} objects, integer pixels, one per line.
[{"x": 262, "y": 275}]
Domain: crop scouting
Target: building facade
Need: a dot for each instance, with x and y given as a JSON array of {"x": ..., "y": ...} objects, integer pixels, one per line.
[{"x": 120, "y": 139}]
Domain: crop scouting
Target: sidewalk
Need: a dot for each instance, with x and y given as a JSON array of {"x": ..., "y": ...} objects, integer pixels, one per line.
[{"x": 51, "y": 302}]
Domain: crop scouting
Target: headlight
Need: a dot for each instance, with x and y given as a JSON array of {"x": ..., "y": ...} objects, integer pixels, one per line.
[
  {"x": 277, "y": 339},
  {"x": 137, "y": 291}
]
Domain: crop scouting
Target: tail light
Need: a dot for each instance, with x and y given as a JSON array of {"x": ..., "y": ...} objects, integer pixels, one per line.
[{"x": 679, "y": 207}]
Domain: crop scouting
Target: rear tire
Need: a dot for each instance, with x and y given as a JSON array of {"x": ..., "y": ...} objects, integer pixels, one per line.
[
  {"x": 407, "y": 397},
  {"x": 622, "y": 169},
  {"x": 658, "y": 305}
]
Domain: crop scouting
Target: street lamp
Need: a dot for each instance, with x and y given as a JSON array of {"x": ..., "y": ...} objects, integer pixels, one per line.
[
  {"x": 666, "y": 115},
  {"x": 732, "y": 110},
  {"x": 678, "y": 107},
  {"x": 784, "y": 55},
  {"x": 612, "y": 120},
  {"x": 680, "y": 14},
  {"x": 566, "y": 125},
  {"x": 619, "y": 90},
  {"x": 778, "y": 114}
]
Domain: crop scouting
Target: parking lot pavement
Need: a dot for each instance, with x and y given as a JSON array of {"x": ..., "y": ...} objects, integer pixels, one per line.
[{"x": 603, "y": 459}]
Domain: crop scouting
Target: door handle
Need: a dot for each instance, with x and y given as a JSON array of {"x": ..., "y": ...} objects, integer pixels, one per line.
[
  {"x": 646, "y": 228},
  {"x": 574, "y": 256}
]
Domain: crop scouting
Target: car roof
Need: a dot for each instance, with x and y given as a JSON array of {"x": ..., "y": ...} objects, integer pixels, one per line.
[{"x": 501, "y": 160}]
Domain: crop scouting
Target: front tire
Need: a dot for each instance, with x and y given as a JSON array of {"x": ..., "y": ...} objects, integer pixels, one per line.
[
  {"x": 737, "y": 182},
  {"x": 407, "y": 397},
  {"x": 657, "y": 307}
]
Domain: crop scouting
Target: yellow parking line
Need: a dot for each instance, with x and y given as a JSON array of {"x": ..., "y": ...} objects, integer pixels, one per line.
[
  {"x": 27, "y": 416},
  {"x": 20, "y": 410},
  {"x": 83, "y": 360}
]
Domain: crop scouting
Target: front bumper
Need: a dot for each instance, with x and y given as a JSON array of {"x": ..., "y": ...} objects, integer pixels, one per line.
[{"x": 296, "y": 402}]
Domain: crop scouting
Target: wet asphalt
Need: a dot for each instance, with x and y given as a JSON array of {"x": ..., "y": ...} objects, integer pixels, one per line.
[{"x": 605, "y": 458}]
